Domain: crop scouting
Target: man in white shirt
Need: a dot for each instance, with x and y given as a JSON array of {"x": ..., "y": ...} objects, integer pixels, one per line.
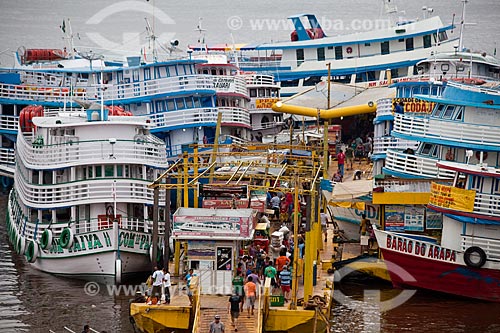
[
  {"x": 166, "y": 285},
  {"x": 157, "y": 283}
]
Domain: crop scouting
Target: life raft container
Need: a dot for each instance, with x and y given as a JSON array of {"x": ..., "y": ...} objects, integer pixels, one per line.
[
  {"x": 26, "y": 117},
  {"x": 471, "y": 81},
  {"x": 66, "y": 238},
  {"x": 117, "y": 111}
]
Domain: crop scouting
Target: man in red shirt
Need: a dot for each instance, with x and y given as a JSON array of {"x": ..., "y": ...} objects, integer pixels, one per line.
[
  {"x": 282, "y": 260},
  {"x": 341, "y": 161}
]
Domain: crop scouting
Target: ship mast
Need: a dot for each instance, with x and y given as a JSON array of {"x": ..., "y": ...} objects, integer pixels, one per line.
[{"x": 462, "y": 26}]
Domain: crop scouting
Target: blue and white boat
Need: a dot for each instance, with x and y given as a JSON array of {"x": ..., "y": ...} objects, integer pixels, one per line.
[
  {"x": 81, "y": 206},
  {"x": 362, "y": 58}
]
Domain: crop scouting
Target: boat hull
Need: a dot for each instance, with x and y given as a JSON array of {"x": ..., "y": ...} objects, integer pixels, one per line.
[{"x": 420, "y": 264}]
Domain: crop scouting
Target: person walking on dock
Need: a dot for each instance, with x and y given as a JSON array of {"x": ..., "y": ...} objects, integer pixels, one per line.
[
  {"x": 233, "y": 307},
  {"x": 166, "y": 285},
  {"x": 250, "y": 295},
  {"x": 216, "y": 326},
  {"x": 157, "y": 284},
  {"x": 341, "y": 162},
  {"x": 285, "y": 282}
]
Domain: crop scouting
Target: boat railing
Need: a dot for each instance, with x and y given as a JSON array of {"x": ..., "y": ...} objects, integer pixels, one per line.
[
  {"x": 40, "y": 93},
  {"x": 490, "y": 246},
  {"x": 403, "y": 185},
  {"x": 384, "y": 107},
  {"x": 9, "y": 123},
  {"x": 235, "y": 116},
  {"x": 487, "y": 204},
  {"x": 163, "y": 86},
  {"x": 260, "y": 80},
  {"x": 382, "y": 144},
  {"x": 7, "y": 156},
  {"x": 83, "y": 191},
  {"x": 71, "y": 150},
  {"x": 414, "y": 165},
  {"x": 267, "y": 125},
  {"x": 425, "y": 127},
  {"x": 184, "y": 118},
  {"x": 475, "y": 88}
]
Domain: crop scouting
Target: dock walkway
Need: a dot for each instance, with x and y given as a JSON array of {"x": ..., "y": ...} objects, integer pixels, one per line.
[{"x": 212, "y": 305}]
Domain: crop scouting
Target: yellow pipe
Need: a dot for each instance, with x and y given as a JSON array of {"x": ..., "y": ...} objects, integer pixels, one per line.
[{"x": 325, "y": 114}]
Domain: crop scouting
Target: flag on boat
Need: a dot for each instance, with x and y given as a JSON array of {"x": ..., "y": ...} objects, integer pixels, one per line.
[{"x": 63, "y": 26}]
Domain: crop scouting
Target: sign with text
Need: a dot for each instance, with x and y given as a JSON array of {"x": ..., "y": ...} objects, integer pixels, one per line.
[
  {"x": 449, "y": 197},
  {"x": 265, "y": 103},
  {"x": 415, "y": 105},
  {"x": 394, "y": 218},
  {"x": 414, "y": 218}
]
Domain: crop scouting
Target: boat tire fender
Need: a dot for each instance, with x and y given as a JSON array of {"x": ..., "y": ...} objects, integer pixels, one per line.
[
  {"x": 66, "y": 238},
  {"x": 475, "y": 257},
  {"x": 46, "y": 239},
  {"x": 32, "y": 251}
]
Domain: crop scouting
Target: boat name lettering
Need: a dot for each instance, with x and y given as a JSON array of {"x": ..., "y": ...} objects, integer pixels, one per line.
[
  {"x": 223, "y": 83},
  {"x": 131, "y": 240},
  {"x": 92, "y": 241},
  {"x": 420, "y": 249}
]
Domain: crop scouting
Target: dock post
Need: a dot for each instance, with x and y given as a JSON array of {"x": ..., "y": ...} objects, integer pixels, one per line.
[
  {"x": 156, "y": 198},
  {"x": 295, "y": 280}
]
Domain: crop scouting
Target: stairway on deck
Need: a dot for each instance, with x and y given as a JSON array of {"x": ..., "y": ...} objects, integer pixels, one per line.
[{"x": 217, "y": 305}]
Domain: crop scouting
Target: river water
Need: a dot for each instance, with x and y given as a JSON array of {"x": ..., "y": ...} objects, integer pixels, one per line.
[{"x": 31, "y": 301}]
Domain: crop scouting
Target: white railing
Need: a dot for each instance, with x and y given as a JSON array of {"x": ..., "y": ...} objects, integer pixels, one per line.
[
  {"x": 40, "y": 93},
  {"x": 414, "y": 165},
  {"x": 384, "y": 107},
  {"x": 150, "y": 88},
  {"x": 7, "y": 156},
  {"x": 383, "y": 144},
  {"x": 490, "y": 246},
  {"x": 260, "y": 80},
  {"x": 235, "y": 115},
  {"x": 184, "y": 117},
  {"x": 424, "y": 127},
  {"x": 404, "y": 185},
  {"x": 72, "y": 151},
  {"x": 83, "y": 192},
  {"x": 487, "y": 204},
  {"x": 234, "y": 84},
  {"x": 9, "y": 123},
  {"x": 263, "y": 126},
  {"x": 475, "y": 88}
]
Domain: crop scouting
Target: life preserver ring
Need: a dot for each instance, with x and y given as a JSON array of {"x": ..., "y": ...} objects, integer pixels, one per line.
[
  {"x": 474, "y": 257},
  {"x": 478, "y": 155},
  {"x": 32, "y": 251},
  {"x": 46, "y": 239},
  {"x": 289, "y": 122},
  {"x": 66, "y": 238},
  {"x": 349, "y": 50}
]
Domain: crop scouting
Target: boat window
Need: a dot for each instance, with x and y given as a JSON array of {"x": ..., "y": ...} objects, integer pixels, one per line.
[
  {"x": 368, "y": 44},
  {"x": 290, "y": 83},
  {"x": 496, "y": 186},
  {"x": 438, "y": 109},
  {"x": 449, "y": 112},
  {"x": 401, "y": 40},
  {"x": 427, "y": 149},
  {"x": 330, "y": 47},
  {"x": 147, "y": 74},
  {"x": 197, "y": 103},
  {"x": 394, "y": 72},
  {"x": 384, "y": 48},
  {"x": 262, "y": 93},
  {"x": 459, "y": 115},
  {"x": 300, "y": 56},
  {"x": 189, "y": 102},
  {"x": 35, "y": 177},
  {"x": 443, "y": 36},
  {"x": 434, "y": 35},
  {"x": 339, "y": 53},
  {"x": 460, "y": 68},
  {"x": 427, "y": 41},
  {"x": 98, "y": 171},
  {"x": 135, "y": 75},
  {"x": 253, "y": 93},
  {"x": 312, "y": 81},
  {"x": 409, "y": 44},
  {"x": 170, "y": 105},
  {"x": 476, "y": 183},
  {"x": 321, "y": 53},
  {"x": 108, "y": 171},
  {"x": 180, "y": 103},
  {"x": 119, "y": 170},
  {"x": 445, "y": 67}
]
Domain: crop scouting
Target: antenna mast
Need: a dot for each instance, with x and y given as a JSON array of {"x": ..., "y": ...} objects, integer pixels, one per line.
[
  {"x": 462, "y": 26},
  {"x": 152, "y": 39}
]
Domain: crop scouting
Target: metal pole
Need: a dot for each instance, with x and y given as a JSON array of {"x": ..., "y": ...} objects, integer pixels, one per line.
[
  {"x": 166, "y": 250},
  {"x": 156, "y": 197},
  {"x": 295, "y": 280}
]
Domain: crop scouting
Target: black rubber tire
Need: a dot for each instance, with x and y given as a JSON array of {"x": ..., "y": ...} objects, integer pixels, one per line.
[{"x": 471, "y": 253}]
